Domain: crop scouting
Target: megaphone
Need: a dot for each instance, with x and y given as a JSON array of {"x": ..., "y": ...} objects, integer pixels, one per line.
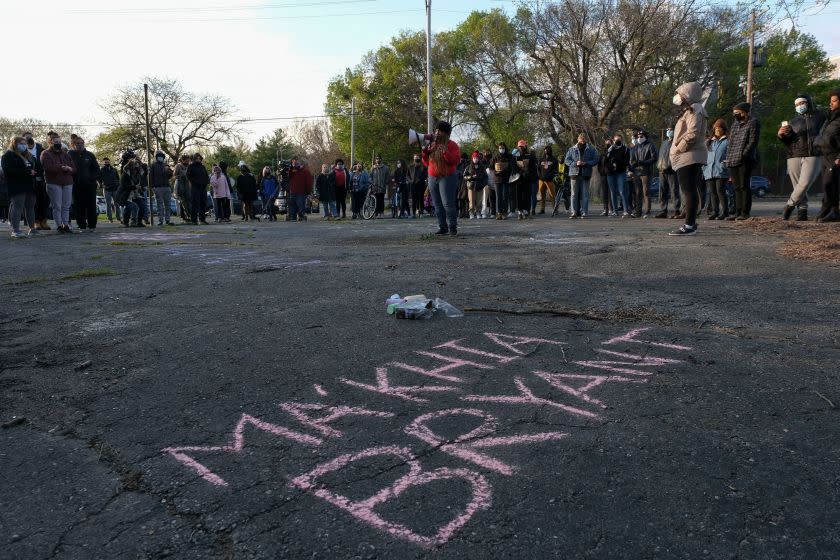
[{"x": 415, "y": 137}]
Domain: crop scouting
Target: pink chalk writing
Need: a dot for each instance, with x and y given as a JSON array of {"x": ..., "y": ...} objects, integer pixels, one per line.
[
  {"x": 238, "y": 443},
  {"x": 364, "y": 510},
  {"x": 631, "y": 338},
  {"x": 572, "y": 392},
  {"x": 438, "y": 372},
  {"x": 466, "y": 446},
  {"x": 406, "y": 392},
  {"x": 454, "y": 345},
  {"x": 501, "y": 339},
  {"x": 561, "y": 381},
  {"x": 301, "y": 413},
  {"x": 526, "y": 396}
]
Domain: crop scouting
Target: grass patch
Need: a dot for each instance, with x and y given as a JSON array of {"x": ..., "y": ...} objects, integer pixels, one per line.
[{"x": 89, "y": 273}]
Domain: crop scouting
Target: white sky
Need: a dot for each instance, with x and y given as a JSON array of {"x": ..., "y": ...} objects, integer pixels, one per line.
[{"x": 271, "y": 58}]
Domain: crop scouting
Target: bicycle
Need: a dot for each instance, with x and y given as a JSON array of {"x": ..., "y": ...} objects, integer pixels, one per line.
[{"x": 369, "y": 206}]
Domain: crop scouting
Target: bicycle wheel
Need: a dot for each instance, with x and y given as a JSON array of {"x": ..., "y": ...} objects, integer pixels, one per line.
[{"x": 369, "y": 207}]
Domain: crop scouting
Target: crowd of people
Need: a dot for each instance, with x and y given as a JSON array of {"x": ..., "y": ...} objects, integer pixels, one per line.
[{"x": 694, "y": 165}]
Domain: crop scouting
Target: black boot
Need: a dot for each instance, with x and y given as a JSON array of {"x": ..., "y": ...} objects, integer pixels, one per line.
[
  {"x": 802, "y": 215},
  {"x": 832, "y": 216},
  {"x": 787, "y": 211}
]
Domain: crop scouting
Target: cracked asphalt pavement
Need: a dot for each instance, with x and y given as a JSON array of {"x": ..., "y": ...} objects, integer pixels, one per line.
[{"x": 238, "y": 391}]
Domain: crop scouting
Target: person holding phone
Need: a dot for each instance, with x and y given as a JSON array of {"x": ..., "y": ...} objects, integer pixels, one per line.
[
  {"x": 803, "y": 160},
  {"x": 59, "y": 170}
]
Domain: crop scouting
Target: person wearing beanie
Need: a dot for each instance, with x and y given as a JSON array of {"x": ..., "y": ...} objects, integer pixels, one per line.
[
  {"x": 741, "y": 156},
  {"x": 160, "y": 174},
  {"x": 441, "y": 156},
  {"x": 803, "y": 162},
  {"x": 828, "y": 144},
  {"x": 715, "y": 172},
  {"x": 688, "y": 151}
]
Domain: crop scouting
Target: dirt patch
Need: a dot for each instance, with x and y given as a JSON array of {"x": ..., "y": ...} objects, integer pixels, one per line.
[{"x": 807, "y": 241}]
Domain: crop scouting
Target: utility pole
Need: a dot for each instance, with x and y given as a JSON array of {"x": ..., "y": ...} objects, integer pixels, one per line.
[
  {"x": 352, "y": 131},
  {"x": 429, "y": 124},
  {"x": 751, "y": 61},
  {"x": 148, "y": 158}
]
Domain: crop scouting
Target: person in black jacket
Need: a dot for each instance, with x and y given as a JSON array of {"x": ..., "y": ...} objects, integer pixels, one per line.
[
  {"x": 804, "y": 163},
  {"x": 603, "y": 171},
  {"x": 416, "y": 177},
  {"x": 615, "y": 165},
  {"x": 828, "y": 144},
  {"x": 130, "y": 183},
  {"x": 42, "y": 199},
  {"x": 642, "y": 160},
  {"x": 199, "y": 179},
  {"x": 246, "y": 186},
  {"x": 19, "y": 171},
  {"x": 547, "y": 173},
  {"x": 84, "y": 184},
  {"x": 110, "y": 181},
  {"x": 501, "y": 166},
  {"x": 475, "y": 176},
  {"x": 399, "y": 191}
]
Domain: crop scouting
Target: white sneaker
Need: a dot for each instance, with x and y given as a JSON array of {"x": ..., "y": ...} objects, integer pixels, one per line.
[
  {"x": 685, "y": 229},
  {"x": 19, "y": 235}
]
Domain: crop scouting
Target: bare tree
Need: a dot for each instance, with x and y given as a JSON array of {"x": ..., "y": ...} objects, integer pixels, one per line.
[{"x": 179, "y": 120}]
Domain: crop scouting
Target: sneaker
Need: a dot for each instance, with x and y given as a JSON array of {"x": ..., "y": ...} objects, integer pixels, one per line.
[
  {"x": 19, "y": 235},
  {"x": 453, "y": 231},
  {"x": 583, "y": 214},
  {"x": 511, "y": 214},
  {"x": 572, "y": 216},
  {"x": 605, "y": 213},
  {"x": 646, "y": 216},
  {"x": 661, "y": 215},
  {"x": 442, "y": 231},
  {"x": 33, "y": 231},
  {"x": 614, "y": 214},
  {"x": 684, "y": 229},
  {"x": 625, "y": 215}
]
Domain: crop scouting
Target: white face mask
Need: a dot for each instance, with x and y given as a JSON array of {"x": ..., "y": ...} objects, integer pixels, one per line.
[
  {"x": 501, "y": 150},
  {"x": 677, "y": 99}
]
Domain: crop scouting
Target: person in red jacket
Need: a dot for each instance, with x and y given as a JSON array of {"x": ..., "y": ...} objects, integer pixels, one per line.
[
  {"x": 441, "y": 157},
  {"x": 300, "y": 185}
]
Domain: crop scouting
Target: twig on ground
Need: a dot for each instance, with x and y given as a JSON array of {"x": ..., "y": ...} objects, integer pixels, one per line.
[
  {"x": 553, "y": 312},
  {"x": 826, "y": 399}
]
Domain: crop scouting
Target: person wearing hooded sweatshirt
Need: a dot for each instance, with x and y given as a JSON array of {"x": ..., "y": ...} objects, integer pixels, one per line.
[
  {"x": 580, "y": 160},
  {"x": 741, "y": 157},
  {"x": 547, "y": 173},
  {"x": 85, "y": 182},
  {"x": 221, "y": 193},
  {"x": 269, "y": 189},
  {"x": 715, "y": 172},
  {"x": 159, "y": 174},
  {"x": 130, "y": 183},
  {"x": 246, "y": 186},
  {"x": 19, "y": 170},
  {"x": 300, "y": 186},
  {"x": 828, "y": 144},
  {"x": 339, "y": 179},
  {"x": 501, "y": 166},
  {"x": 688, "y": 152},
  {"x": 58, "y": 172},
  {"x": 803, "y": 160},
  {"x": 199, "y": 179}
]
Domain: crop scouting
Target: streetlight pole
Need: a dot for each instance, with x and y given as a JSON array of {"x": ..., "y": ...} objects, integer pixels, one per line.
[
  {"x": 750, "y": 62},
  {"x": 352, "y": 131},
  {"x": 429, "y": 123}
]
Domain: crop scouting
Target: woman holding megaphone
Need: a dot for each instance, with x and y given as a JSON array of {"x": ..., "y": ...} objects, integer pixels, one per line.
[{"x": 441, "y": 156}]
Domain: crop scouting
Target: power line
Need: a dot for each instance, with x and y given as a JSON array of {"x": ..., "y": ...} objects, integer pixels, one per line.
[{"x": 128, "y": 11}]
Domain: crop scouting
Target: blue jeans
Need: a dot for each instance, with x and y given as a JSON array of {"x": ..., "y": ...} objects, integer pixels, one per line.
[
  {"x": 329, "y": 208},
  {"x": 444, "y": 195},
  {"x": 299, "y": 210},
  {"x": 580, "y": 195},
  {"x": 501, "y": 198},
  {"x": 617, "y": 183},
  {"x": 534, "y": 189}
]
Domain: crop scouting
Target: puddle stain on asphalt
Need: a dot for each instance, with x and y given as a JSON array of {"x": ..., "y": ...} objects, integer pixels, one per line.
[{"x": 471, "y": 447}]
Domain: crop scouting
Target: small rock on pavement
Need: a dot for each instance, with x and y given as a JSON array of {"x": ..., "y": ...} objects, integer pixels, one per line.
[{"x": 84, "y": 365}]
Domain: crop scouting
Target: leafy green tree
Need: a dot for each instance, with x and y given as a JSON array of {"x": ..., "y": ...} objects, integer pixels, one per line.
[{"x": 270, "y": 149}]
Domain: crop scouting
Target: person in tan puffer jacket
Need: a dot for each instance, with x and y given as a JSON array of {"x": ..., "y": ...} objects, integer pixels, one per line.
[{"x": 688, "y": 151}]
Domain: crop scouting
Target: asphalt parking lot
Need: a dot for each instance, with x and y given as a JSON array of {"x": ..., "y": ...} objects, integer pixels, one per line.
[{"x": 238, "y": 391}]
